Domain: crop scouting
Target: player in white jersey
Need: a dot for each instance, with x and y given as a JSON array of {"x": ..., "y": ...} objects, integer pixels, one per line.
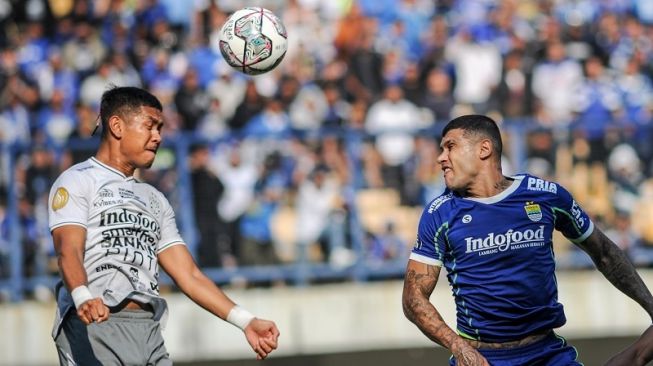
[{"x": 111, "y": 233}]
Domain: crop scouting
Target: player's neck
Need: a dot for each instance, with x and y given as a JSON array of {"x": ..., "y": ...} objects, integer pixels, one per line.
[
  {"x": 489, "y": 185},
  {"x": 105, "y": 156}
]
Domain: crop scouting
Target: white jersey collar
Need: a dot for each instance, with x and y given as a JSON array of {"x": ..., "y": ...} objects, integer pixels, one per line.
[
  {"x": 113, "y": 170},
  {"x": 496, "y": 198}
]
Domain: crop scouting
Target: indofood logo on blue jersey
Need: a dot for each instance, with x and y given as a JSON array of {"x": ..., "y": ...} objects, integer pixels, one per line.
[{"x": 514, "y": 239}]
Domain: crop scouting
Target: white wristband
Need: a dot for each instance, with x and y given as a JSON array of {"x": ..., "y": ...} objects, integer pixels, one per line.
[
  {"x": 239, "y": 317},
  {"x": 81, "y": 295}
]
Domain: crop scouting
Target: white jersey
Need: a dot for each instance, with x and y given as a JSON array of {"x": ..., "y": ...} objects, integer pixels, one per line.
[{"x": 128, "y": 223}]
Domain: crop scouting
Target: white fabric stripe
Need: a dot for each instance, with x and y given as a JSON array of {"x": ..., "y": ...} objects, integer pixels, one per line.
[
  {"x": 424, "y": 259},
  {"x": 67, "y": 223},
  {"x": 494, "y": 199},
  {"x": 114, "y": 170},
  {"x": 587, "y": 233},
  {"x": 169, "y": 245}
]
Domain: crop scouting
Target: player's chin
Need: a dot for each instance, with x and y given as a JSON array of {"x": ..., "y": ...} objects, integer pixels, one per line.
[{"x": 146, "y": 162}]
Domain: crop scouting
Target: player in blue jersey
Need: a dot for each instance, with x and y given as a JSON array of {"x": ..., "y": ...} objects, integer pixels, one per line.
[{"x": 493, "y": 234}]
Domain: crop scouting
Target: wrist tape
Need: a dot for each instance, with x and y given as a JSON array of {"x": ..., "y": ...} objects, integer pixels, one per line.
[
  {"x": 80, "y": 295},
  {"x": 239, "y": 317}
]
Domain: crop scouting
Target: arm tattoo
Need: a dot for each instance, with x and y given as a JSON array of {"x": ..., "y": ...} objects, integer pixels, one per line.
[
  {"x": 618, "y": 269},
  {"x": 418, "y": 287}
]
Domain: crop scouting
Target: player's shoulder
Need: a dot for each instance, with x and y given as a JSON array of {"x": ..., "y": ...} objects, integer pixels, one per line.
[
  {"x": 440, "y": 203},
  {"x": 534, "y": 183},
  {"x": 79, "y": 173}
]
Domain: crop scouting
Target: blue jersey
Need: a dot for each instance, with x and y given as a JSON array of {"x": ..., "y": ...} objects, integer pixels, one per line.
[{"x": 498, "y": 252}]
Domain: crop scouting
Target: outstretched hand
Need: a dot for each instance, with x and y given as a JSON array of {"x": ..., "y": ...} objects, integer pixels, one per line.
[
  {"x": 262, "y": 336},
  {"x": 637, "y": 354},
  {"x": 93, "y": 311}
]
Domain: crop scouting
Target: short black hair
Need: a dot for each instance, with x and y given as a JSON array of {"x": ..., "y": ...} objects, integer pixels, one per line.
[
  {"x": 478, "y": 124},
  {"x": 121, "y": 100}
]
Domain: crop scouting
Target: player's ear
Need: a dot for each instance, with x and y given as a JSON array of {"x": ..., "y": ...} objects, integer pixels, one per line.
[
  {"x": 115, "y": 126},
  {"x": 485, "y": 149}
]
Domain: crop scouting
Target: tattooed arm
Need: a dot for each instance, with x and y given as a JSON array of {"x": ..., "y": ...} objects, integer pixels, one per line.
[
  {"x": 418, "y": 286},
  {"x": 617, "y": 268}
]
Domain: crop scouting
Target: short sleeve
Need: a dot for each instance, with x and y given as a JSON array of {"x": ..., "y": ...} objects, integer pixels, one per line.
[
  {"x": 169, "y": 233},
  {"x": 431, "y": 239},
  {"x": 570, "y": 219},
  {"x": 68, "y": 202}
]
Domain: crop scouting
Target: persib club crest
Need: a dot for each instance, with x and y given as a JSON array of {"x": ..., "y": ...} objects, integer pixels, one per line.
[{"x": 533, "y": 211}]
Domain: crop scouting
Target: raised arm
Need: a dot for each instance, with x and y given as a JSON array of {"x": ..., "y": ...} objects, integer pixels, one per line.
[
  {"x": 419, "y": 283},
  {"x": 69, "y": 243},
  {"x": 262, "y": 335},
  {"x": 617, "y": 268}
]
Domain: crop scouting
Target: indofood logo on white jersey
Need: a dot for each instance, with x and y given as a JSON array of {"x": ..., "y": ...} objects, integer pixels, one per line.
[{"x": 514, "y": 239}]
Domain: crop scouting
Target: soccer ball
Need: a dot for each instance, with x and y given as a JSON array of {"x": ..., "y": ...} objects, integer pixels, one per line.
[{"x": 253, "y": 40}]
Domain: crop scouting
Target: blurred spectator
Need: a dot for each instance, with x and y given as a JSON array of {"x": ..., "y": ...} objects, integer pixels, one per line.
[
  {"x": 56, "y": 120},
  {"x": 636, "y": 92},
  {"x": 596, "y": 101},
  {"x": 251, "y": 105},
  {"x": 366, "y": 66},
  {"x": 124, "y": 73},
  {"x": 514, "y": 96},
  {"x": 5, "y": 243},
  {"x": 38, "y": 176},
  {"x": 257, "y": 247},
  {"x": 239, "y": 177},
  {"x": 393, "y": 121},
  {"x": 309, "y": 108},
  {"x": 207, "y": 192},
  {"x": 85, "y": 51},
  {"x": 82, "y": 145},
  {"x": 192, "y": 102},
  {"x": 272, "y": 123},
  {"x": 625, "y": 170},
  {"x": 33, "y": 49},
  {"x": 349, "y": 29},
  {"x": 438, "y": 97},
  {"x": 386, "y": 246},
  {"x": 320, "y": 215},
  {"x": 555, "y": 81},
  {"x": 337, "y": 111},
  {"x": 96, "y": 83},
  {"x": 623, "y": 234},
  {"x": 229, "y": 89},
  {"x": 477, "y": 65},
  {"x": 411, "y": 83},
  {"x": 212, "y": 124},
  {"x": 54, "y": 75}
]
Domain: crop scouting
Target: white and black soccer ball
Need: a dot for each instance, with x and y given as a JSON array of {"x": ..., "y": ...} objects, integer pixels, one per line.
[{"x": 253, "y": 40}]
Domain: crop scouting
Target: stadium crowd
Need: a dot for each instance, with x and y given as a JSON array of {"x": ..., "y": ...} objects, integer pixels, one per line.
[{"x": 278, "y": 163}]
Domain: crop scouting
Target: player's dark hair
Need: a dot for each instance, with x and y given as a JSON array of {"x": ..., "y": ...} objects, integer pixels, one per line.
[
  {"x": 478, "y": 124},
  {"x": 122, "y": 100}
]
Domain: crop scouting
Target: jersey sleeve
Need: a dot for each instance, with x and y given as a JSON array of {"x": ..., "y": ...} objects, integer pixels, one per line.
[
  {"x": 169, "y": 232},
  {"x": 570, "y": 219},
  {"x": 69, "y": 200},
  {"x": 431, "y": 239}
]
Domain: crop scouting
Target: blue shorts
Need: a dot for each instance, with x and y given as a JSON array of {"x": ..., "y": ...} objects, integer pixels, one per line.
[{"x": 553, "y": 350}]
